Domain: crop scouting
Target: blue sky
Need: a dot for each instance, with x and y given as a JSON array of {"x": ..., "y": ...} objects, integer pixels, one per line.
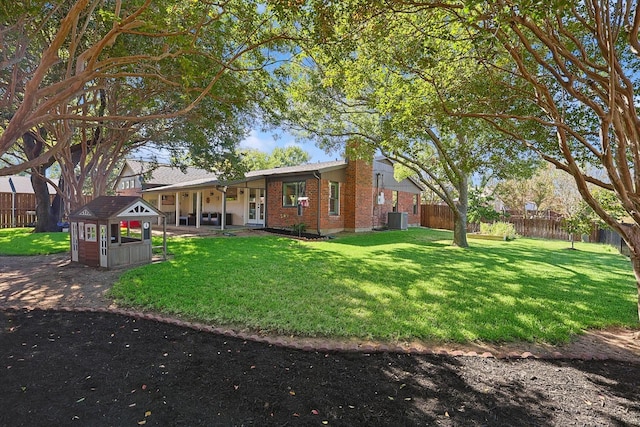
[
  {"x": 267, "y": 141},
  {"x": 263, "y": 141}
]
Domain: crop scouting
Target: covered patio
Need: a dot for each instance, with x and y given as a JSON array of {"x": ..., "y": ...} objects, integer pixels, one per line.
[{"x": 211, "y": 204}]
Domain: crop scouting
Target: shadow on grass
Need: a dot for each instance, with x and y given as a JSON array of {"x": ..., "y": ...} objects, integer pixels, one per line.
[{"x": 391, "y": 286}]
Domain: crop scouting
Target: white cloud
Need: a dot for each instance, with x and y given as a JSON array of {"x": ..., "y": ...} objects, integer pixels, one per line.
[
  {"x": 266, "y": 142},
  {"x": 259, "y": 141}
]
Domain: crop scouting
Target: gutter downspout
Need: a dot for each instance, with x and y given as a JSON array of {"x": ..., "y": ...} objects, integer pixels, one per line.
[{"x": 316, "y": 176}]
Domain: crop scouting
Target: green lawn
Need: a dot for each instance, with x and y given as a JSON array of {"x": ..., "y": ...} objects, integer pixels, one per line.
[
  {"x": 392, "y": 285},
  {"x": 22, "y": 241}
]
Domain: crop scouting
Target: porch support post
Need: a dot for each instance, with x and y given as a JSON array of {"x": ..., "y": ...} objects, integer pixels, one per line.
[
  {"x": 164, "y": 238},
  {"x": 198, "y": 208},
  {"x": 158, "y": 206},
  {"x": 177, "y": 208}
]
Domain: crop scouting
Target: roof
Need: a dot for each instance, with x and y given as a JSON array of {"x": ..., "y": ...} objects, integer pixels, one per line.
[
  {"x": 253, "y": 175},
  {"x": 308, "y": 167},
  {"x": 21, "y": 183},
  {"x": 162, "y": 174},
  {"x": 104, "y": 207}
]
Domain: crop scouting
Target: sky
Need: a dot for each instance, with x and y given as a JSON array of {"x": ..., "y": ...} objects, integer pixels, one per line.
[
  {"x": 263, "y": 141},
  {"x": 267, "y": 141}
]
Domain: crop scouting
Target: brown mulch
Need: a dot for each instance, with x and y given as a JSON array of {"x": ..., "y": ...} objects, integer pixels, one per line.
[{"x": 92, "y": 364}]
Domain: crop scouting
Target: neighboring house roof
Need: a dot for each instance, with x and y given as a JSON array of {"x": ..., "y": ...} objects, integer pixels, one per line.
[
  {"x": 21, "y": 183},
  {"x": 110, "y": 206},
  {"x": 164, "y": 174}
]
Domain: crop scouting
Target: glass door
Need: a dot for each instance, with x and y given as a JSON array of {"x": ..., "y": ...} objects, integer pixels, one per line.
[{"x": 256, "y": 206}]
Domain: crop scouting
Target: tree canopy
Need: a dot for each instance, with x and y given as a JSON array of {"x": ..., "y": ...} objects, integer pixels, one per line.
[{"x": 165, "y": 57}]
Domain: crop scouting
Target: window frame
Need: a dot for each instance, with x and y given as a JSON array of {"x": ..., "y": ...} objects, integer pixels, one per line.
[
  {"x": 335, "y": 198},
  {"x": 91, "y": 232},
  {"x": 300, "y": 188}
]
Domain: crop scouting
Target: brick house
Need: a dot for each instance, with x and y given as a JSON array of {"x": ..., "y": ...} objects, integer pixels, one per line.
[{"x": 328, "y": 197}]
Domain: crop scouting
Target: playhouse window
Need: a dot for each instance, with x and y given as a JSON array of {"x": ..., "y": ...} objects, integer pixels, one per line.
[
  {"x": 334, "y": 198},
  {"x": 291, "y": 191},
  {"x": 90, "y": 233}
]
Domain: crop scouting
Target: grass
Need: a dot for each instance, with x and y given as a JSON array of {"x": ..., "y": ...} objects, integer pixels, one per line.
[
  {"x": 396, "y": 285},
  {"x": 23, "y": 241}
]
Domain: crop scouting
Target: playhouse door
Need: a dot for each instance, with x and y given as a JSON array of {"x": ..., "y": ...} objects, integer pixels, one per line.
[
  {"x": 74, "y": 241},
  {"x": 104, "y": 262}
]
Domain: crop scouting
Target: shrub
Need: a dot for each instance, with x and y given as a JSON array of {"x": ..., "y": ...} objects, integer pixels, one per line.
[
  {"x": 299, "y": 227},
  {"x": 500, "y": 228}
]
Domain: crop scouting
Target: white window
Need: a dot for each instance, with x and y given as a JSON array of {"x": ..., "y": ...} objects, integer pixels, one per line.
[
  {"x": 334, "y": 198},
  {"x": 91, "y": 234}
]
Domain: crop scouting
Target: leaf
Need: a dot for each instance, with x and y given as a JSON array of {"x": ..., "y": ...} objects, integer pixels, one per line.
[
  {"x": 147, "y": 414},
  {"x": 315, "y": 412},
  {"x": 292, "y": 393},
  {"x": 141, "y": 423}
]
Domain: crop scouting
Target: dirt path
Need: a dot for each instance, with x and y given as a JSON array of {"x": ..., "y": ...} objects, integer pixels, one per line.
[{"x": 53, "y": 282}]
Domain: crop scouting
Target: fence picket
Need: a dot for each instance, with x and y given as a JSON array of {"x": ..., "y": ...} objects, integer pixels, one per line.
[
  {"x": 441, "y": 216},
  {"x": 25, "y": 207}
]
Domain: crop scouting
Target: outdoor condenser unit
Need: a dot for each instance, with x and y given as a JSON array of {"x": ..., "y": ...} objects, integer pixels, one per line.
[{"x": 397, "y": 220}]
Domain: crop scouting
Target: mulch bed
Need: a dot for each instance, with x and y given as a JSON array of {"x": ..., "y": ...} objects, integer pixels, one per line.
[
  {"x": 292, "y": 233},
  {"x": 84, "y": 368}
]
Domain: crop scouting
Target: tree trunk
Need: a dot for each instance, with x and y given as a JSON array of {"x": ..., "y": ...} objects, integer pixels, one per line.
[
  {"x": 631, "y": 236},
  {"x": 635, "y": 262},
  {"x": 460, "y": 215},
  {"x": 460, "y": 231},
  {"x": 45, "y": 221}
]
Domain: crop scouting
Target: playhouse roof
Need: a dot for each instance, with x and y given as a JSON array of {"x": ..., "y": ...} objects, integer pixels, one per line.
[{"x": 107, "y": 207}]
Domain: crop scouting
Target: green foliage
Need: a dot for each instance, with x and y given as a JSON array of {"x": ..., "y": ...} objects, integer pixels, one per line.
[
  {"x": 299, "y": 227},
  {"x": 252, "y": 159},
  {"x": 500, "y": 228},
  {"x": 391, "y": 285},
  {"x": 480, "y": 207}
]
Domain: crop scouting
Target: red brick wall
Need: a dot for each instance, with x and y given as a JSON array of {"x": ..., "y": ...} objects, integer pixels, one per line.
[
  {"x": 358, "y": 196},
  {"x": 279, "y": 216},
  {"x": 405, "y": 204},
  {"x": 359, "y": 210},
  {"x": 331, "y": 223}
]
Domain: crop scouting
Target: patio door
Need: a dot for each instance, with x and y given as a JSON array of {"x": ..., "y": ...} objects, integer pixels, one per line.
[{"x": 256, "y": 206}]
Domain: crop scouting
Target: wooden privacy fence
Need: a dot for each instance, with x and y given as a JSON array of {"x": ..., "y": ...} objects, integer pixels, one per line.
[
  {"x": 25, "y": 209},
  {"x": 440, "y": 216}
]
